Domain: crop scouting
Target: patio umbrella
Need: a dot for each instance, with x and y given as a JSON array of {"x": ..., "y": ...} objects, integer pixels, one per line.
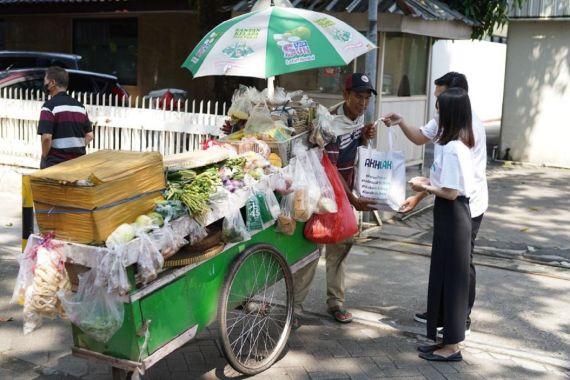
[{"x": 274, "y": 41}]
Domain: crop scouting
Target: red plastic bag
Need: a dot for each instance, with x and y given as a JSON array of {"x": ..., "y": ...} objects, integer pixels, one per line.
[{"x": 338, "y": 226}]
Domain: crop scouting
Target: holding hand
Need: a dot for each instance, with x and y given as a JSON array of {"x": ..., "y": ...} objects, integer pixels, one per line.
[
  {"x": 392, "y": 119},
  {"x": 369, "y": 131},
  {"x": 362, "y": 204},
  {"x": 418, "y": 184}
]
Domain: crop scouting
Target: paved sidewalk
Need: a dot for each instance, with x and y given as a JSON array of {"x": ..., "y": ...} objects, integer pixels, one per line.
[{"x": 520, "y": 330}]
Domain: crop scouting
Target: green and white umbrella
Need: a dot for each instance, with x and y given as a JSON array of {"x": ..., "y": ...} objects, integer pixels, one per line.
[{"x": 275, "y": 41}]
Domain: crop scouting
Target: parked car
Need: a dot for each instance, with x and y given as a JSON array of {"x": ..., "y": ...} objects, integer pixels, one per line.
[
  {"x": 10, "y": 60},
  {"x": 79, "y": 81},
  {"x": 167, "y": 95}
]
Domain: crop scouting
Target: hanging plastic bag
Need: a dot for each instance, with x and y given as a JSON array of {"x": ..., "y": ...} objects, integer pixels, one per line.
[
  {"x": 322, "y": 133},
  {"x": 307, "y": 192},
  {"x": 264, "y": 211},
  {"x": 272, "y": 203},
  {"x": 196, "y": 232},
  {"x": 253, "y": 214},
  {"x": 285, "y": 222},
  {"x": 234, "y": 229},
  {"x": 167, "y": 240},
  {"x": 327, "y": 201},
  {"x": 111, "y": 274},
  {"x": 150, "y": 261},
  {"x": 241, "y": 104},
  {"x": 95, "y": 311},
  {"x": 336, "y": 227}
]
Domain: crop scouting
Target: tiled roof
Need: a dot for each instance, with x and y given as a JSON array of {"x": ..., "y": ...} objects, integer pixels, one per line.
[{"x": 427, "y": 10}]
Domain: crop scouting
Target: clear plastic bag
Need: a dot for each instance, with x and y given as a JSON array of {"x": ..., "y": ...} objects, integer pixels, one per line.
[
  {"x": 323, "y": 132},
  {"x": 196, "y": 232},
  {"x": 150, "y": 260},
  {"x": 170, "y": 209},
  {"x": 259, "y": 121},
  {"x": 272, "y": 203},
  {"x": 307, "y": 192},
  {"x": 111, "y": 273},
  {"x": 285, "y": 222},
  {"x": 25, "y": 275},
  {"x": 95, "y": 311},
  {"x": 241, "y": 103},
  {"x": 234, "y": 229},
  {"x": 167, "y": 240},
  {"x": 326, "y": 203}
]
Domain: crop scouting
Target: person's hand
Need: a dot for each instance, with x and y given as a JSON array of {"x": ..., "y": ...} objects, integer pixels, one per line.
[
  {"x": 369, "y": 131},
  {"x": 392, "y": 119},
  {"x": 418, "y": 184},
  {"x": 409, "y": 204},
  {"x": 363, "y": 204}
]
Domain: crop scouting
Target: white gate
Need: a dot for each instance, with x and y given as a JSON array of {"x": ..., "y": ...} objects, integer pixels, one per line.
[{"x": 130, "y": 124}]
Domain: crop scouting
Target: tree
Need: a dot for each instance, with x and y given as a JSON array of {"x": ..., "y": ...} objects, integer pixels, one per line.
[{"x": 488, "y": 14}]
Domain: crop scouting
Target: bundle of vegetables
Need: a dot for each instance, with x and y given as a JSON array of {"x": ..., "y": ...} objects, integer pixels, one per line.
[
  {"x": 256, "y": 165},
  {"x": 196, "y": 194},
  {"x": 232, "y": 174}
]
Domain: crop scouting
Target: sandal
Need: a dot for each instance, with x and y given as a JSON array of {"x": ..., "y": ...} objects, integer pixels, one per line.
[{"x": 341, "y": 315}]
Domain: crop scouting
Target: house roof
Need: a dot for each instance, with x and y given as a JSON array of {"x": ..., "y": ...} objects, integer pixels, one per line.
[{"x": 432, "y": 10}]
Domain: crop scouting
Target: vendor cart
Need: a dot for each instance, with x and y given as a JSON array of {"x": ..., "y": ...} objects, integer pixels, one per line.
[{"x": 247, "y": 288}]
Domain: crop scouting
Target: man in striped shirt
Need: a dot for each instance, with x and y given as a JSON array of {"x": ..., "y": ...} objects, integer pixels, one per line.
[
  {"x": 64, "y": 125},
  {"x": 351, "y": 133}
]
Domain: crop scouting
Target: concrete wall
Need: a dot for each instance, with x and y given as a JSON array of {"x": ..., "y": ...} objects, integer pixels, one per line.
[
  {"x": 165, "y": 40},
  {"x": 536, "y": 111},
  {"x": 483, "y": 63}
]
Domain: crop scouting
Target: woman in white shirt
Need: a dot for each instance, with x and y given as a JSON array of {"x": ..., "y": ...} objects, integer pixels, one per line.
[{"x": 452, "y": 182}]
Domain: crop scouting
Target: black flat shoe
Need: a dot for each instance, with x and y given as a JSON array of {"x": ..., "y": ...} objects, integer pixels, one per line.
[
  {"x": 429, "y": 348},
  {"x": 438, "y": 358}
]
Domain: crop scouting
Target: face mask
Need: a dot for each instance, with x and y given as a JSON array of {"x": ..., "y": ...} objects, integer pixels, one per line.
[{"x": 46, "y": 88}]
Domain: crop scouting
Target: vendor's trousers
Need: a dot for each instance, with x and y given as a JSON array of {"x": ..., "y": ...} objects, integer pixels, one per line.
[{"x": 336, "y": 266}]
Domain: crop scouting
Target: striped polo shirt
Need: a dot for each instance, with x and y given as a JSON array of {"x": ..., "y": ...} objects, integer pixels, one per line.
[
  {"x": 66, "y": 120},
  {"x": 342, "y": 152}
]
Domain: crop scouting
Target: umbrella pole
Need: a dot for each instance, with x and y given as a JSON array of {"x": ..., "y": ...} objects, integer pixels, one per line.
[{"x": 270, "y": 87}]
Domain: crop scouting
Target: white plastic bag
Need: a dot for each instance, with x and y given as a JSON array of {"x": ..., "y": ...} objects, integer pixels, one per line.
[{"x": 381, "y": 176}]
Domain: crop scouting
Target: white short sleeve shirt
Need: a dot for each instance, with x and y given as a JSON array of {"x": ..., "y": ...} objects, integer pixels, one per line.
[
  {"x": 453, "y": 168},
  {"x": 479, "y": 199}
]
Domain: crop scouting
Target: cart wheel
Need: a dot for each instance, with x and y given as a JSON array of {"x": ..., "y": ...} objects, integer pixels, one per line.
[
  {"x": 122, "y": 374},
  {"x": 256, "y": 309}
]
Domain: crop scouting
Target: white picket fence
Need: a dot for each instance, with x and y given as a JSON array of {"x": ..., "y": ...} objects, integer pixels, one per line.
[{"x": 137, "y": 124}]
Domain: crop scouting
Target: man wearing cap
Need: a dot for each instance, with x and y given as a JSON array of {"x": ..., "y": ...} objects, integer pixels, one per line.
[{"x": 351, "y": 133}]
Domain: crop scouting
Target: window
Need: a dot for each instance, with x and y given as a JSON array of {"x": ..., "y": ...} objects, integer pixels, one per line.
[
  {"x": 405, "y": 65},
  {"x": 326, "y": 80},
  {"x": 108, "y": 46}
]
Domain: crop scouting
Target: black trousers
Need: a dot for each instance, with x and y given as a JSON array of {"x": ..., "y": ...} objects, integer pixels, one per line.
[
  {"x": 475, "y": 224},
  {"x": 449, "y": 277}
]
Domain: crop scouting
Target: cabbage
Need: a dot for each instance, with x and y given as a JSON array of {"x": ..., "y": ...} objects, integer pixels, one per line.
[
  {"x": 143, "y": 223},
  {"x": 121, "y": 236},
  {"x": 157, "y": 219}
]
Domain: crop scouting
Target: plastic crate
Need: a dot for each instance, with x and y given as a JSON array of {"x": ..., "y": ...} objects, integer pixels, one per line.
[{"x": 283, "y": 149}]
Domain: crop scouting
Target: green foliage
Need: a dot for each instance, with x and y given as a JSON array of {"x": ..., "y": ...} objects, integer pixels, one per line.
[{"x": 488, "y": 13}]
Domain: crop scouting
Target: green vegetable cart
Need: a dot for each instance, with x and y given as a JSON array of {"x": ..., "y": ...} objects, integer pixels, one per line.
[{"x": 247, "y": 289}]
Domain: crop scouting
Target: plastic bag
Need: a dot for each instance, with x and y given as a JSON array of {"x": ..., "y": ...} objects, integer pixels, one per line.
[
  {"x": 327, "y": 201},
  {"x": 322, "y": 133},
  {"x": 25, "y": 275},
  {"x": 285, "y": 222},
  {"x": 253, "y": 214},
  {"x": 150, "y": 260},
  {"x": 167, "y": 240},
  {"x": 336, "y": 227},
  {"x": 234, "y": 229},
  {"x": 170, "y": 209},
  {"x": 111, "y": 273},
  {"x": 272, "y": 203},
  {"x": 95, "y": 311},
  {"x": 241, "y": 104},
  {"x": 264, "y": 211},
  {"x": 259, "y": 121},
  {"x": 196, "y": 232},
  {"x": 307, "y": 192}
]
